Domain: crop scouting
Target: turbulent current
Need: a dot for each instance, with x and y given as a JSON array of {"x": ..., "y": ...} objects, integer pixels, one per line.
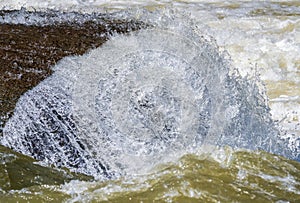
[
  {"x": 186, "y": 101},
  {"x": 140, "y": 100}
]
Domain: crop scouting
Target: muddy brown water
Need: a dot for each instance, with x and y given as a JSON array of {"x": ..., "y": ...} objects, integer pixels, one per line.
[{"x": 28, "y": 51}]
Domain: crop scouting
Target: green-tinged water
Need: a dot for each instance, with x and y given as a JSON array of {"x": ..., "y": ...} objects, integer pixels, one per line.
[
  {"x": 226, "y": 176},
  {"x": 173, "y": 112},
  {"x": 19, "y": 171}
]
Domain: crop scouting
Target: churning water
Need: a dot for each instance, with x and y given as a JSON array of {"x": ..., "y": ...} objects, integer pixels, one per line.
[
  {"x": 154, "y": 93},
  {"x": 150, "y": 112}
]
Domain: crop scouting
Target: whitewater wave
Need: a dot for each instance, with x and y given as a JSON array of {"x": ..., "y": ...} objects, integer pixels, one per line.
[{"x": 141, "y": 99}]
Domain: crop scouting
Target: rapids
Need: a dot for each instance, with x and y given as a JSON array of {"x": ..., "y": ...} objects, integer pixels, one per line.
[
  {"x": 140, "y": 99},
  {"x": 174, "y": 111}
]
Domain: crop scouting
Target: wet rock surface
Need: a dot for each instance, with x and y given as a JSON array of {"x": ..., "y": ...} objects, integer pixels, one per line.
[{"x": 28, "y": 50}]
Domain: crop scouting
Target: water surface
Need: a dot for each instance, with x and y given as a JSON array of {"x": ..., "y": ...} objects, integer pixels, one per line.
[{"x": 148, "y": 96}]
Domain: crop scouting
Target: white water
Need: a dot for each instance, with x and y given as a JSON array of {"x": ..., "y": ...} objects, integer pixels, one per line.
[
  {"x": 140, "y": 100},
  {"x": 265, "y": 44},
  {"x": 259, "y": 36}
]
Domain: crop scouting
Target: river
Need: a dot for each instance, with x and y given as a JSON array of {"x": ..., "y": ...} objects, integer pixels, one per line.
[{"x": 150, "y": 101}]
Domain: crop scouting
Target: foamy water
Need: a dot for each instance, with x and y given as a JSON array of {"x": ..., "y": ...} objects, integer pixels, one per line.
[
  {"x": 262, "y": 40},
  {"x": 155, "y": 94},
  {"x": 260, "y": 37}
]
